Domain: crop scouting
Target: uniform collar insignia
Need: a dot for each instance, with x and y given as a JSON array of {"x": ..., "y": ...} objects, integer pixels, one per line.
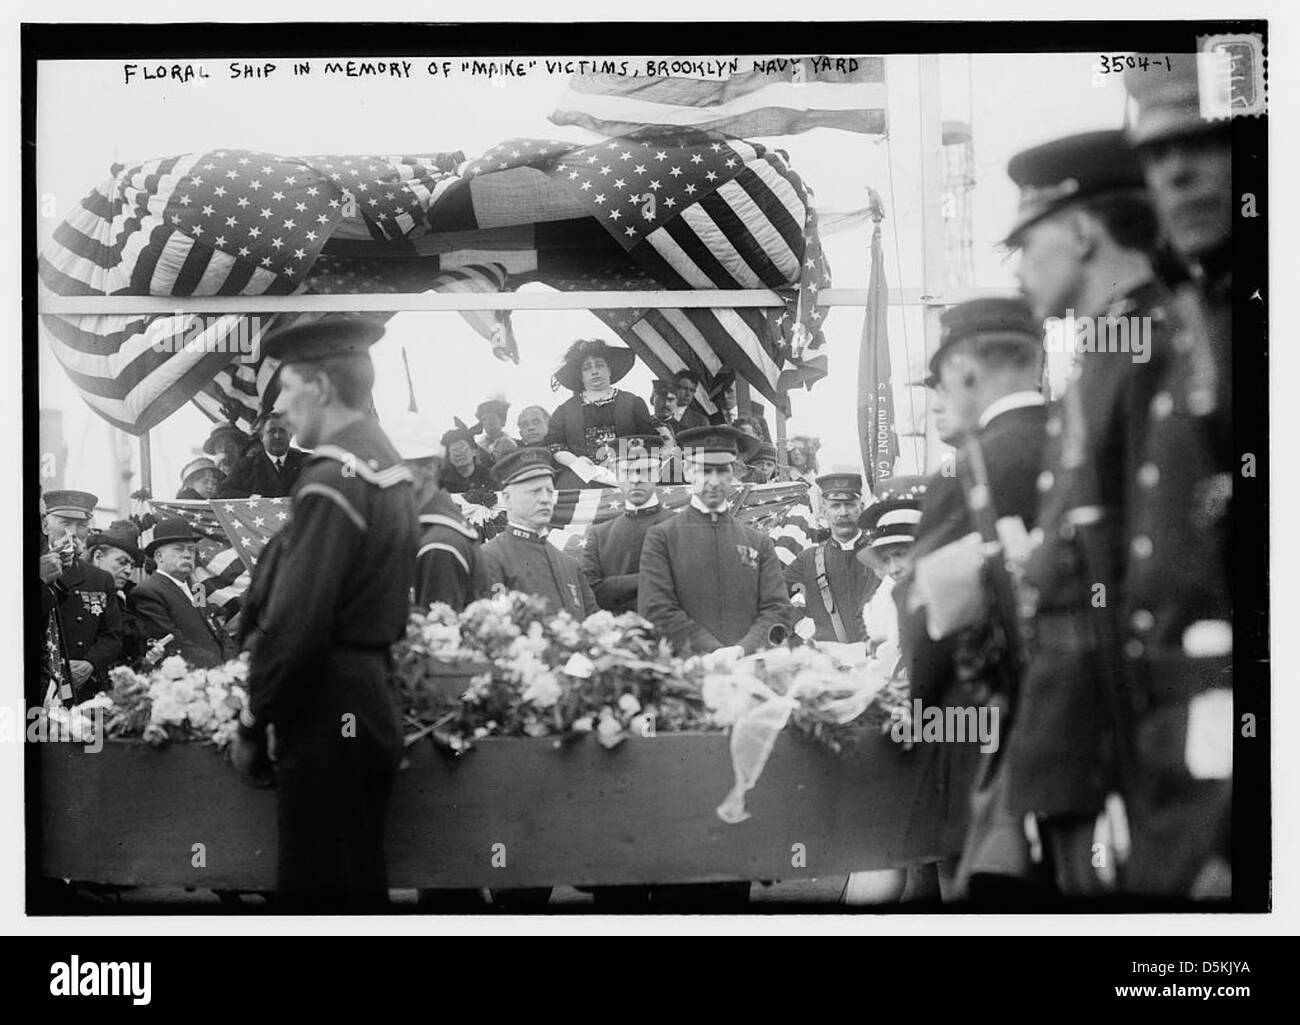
[{"x": 527, "y": 533}]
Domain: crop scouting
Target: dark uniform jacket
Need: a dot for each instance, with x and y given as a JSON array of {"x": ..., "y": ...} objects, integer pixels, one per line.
[
  {"x": 851, "y": 585},
  {"x": 336, "y": 579},
  {"x": 1177, "y": 549},
  {"x": 1062, "y": 749},
  {"x": 518, "y": 559},
  {"x": 255, "y": 474},
  {"x": 91, "y": 622},
  {"x": 611, "y": 555},
  {"x": 1013, "y": 452},
  {"x": 447, "y": 560},
  {"x": 708, "y": 582},
  {"x": 162, "y": 606}
]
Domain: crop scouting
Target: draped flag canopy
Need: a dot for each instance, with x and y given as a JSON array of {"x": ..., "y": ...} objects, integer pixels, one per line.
[{"x": 692, "y": 211}]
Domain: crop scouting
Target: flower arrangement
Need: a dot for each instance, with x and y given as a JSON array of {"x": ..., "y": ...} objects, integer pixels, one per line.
[
  {"x": 526, "y": 672},
  {"x": 175, "y": 702}
]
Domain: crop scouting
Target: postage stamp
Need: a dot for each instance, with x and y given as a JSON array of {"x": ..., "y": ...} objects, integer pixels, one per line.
[{"x": 1231, "y": 75}]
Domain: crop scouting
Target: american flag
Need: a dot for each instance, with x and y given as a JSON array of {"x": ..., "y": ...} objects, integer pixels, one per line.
[
  {"x": 698, "y": 211},
  {"x": 234, "y": 531},
  {"x": 708, "y": 213},
  {"x": 224, "y": 222},
  {"x": 759, "y": 98}
]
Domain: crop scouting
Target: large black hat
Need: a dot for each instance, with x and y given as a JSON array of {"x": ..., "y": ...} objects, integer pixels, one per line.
[
  {"x": 221, "y": 431},
  {"x": 620, "y": 361},
  {"x": 1061, "y": 172},
  {"x": 717, "y": 443},
  {"x": 322, "y": 339},
  {"x": 1006, "y": 319},
  {"x": 124, "y": 540},
  {"x": 169, "y": 532}
]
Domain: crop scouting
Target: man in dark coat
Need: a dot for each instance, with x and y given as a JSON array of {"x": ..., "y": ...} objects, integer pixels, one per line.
[
  {"x": 709, "y": 583},
  {"x": 270, "y": 472},
  {"x": 611, "y": 551},
  {"x": 332, "y": 596},
  {"x": 117, "y": 552},
  {"x": 167, "y": 603},
  {"x": 987, "y": 369},
  {"x": 1085, "y": 255},
  {"x": 520, "y": 558},
  {"x": 1177, "y": 601},
  {"x": 86, "y": 598},
  {"x": 834, "y": 581}
]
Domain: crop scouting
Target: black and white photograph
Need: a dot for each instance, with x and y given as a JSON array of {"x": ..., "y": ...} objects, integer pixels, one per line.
[{"x": 538, "y": 474}]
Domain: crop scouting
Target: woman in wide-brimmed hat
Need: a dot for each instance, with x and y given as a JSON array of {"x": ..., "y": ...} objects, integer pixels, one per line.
[{"x": 590, "y": 422}]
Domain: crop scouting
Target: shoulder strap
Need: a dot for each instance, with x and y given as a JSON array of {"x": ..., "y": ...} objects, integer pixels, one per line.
[{"x": 824, "y": 585}]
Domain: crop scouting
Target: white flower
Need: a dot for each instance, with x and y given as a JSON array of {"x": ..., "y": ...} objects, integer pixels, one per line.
[
  {"x": 199, "y": 714},
  {"x": 609, "y": 727},
  {"x": 173, "y": 667},
  {"x": 629, "y": 705},
  {"x": 583, "y": 725},
  {"x": 806, "y": 628},
  {"x": 543, "y": 690},
  {"x": 580, "y": 665}
]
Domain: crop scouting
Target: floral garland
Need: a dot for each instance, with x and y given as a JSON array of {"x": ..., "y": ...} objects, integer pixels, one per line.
[{"x": 173, "y": 702}]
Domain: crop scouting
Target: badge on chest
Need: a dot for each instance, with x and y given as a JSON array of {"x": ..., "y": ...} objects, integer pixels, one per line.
[
  {"x": 93, "y": 601},
  {"x": 748, "y": 556}
]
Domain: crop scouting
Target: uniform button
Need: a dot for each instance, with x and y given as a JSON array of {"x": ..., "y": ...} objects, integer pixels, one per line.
[
  {"x": 1045, "y": 480},
  {"x": 80, "y": 618},
  {"x": 1143, "y": 620},
  {"x": 1200, "y": 402},
  {"x": 1142, "y": 546},
  {"x": 1148, "y": 475},
  {"x": 1134, "y": 648},
  {"x": 1162, "y": 405},
  {"x": 374, "y": 464},
  {"x": 1054, "y": 426}
]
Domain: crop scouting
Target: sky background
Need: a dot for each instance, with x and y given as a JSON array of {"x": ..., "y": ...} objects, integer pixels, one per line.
[{"x": 1011, "y": 101}]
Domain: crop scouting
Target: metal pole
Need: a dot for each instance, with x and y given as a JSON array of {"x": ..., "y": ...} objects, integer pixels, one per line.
[
  {"x": 932, "y": 266},
  {"x": 146, "y": 463}
]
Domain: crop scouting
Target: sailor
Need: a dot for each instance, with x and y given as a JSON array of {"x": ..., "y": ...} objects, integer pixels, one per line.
[
  {"x": 332, "y": 595},
  {"x": 447, "y": 559},
  {"x": 611, "y": 551},
  {"x": 709, "y": 583},
  {"x": 520, "y": 558},
  {"x": 833, "y": 579}
]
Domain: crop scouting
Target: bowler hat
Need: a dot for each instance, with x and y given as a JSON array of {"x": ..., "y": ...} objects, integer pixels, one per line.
[
  {"x": 170, "y": 532},
  {"x": 619, "y": 359},
  {"x": 120, "y": 539}
]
